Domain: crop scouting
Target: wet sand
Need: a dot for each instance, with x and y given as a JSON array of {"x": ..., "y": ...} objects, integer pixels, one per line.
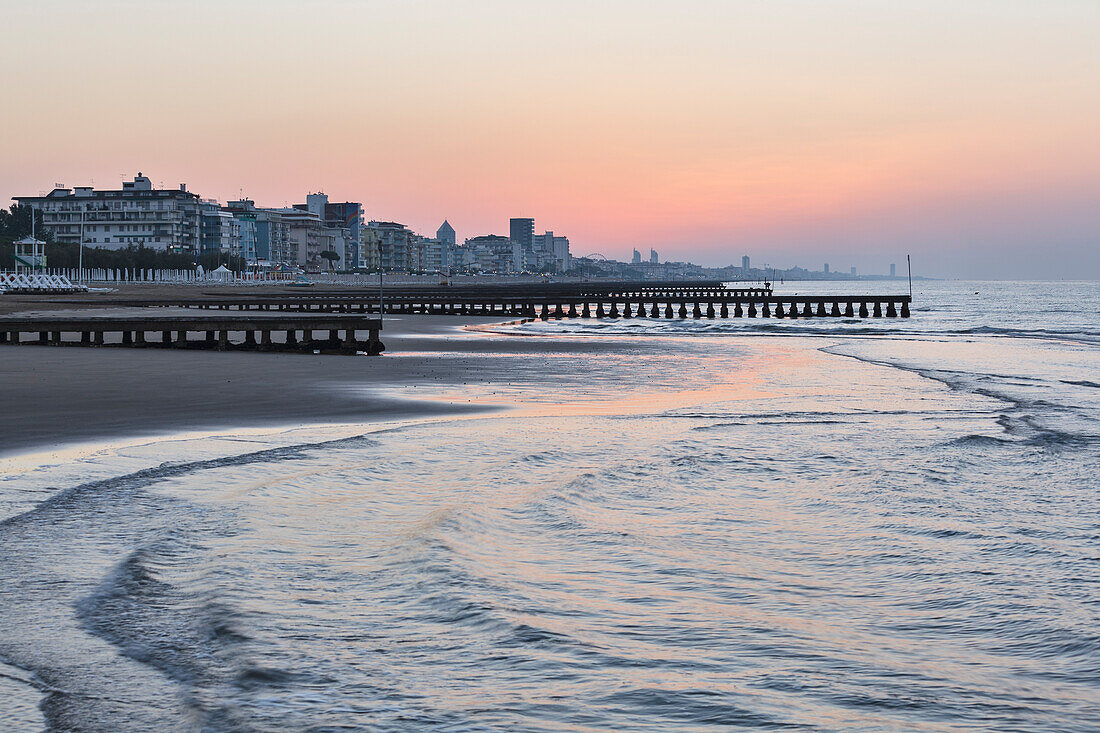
[
  {"x": 53, "y": 396},
  {"x": 59, "y": 396}
]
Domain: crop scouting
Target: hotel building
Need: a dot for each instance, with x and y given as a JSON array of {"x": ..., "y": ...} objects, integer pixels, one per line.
[{"x": 138, "y": 214}]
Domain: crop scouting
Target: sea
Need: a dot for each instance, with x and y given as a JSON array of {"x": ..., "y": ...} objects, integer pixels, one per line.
[{"x": 820, "y": 524}]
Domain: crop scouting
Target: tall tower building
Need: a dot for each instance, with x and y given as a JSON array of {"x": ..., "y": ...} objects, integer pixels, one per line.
[
  {"x": 826, "y": 268},
  {"x": 745, "y": 263},
  {"x": 652, "y": 256},
  {"x": 893, "y": 270},
  {"x": 446, "y": 234},
  {"x": 637, "y": 259},
  {"x": 522, "y": 232}
]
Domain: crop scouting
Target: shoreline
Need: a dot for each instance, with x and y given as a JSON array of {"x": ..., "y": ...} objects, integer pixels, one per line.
[{"x": 59, "y": 399}]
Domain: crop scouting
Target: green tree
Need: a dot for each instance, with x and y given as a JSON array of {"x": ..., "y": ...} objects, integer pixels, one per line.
[
  {"x": 331, "y": 256},
  {"x": 15, "y": 223}
]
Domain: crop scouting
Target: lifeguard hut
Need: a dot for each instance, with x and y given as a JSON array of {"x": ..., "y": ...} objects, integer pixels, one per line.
[{"x": 30, "y": 256}]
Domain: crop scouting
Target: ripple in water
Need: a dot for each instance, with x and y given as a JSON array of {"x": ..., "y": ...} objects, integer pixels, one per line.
[{"x": 822, "y": 532}]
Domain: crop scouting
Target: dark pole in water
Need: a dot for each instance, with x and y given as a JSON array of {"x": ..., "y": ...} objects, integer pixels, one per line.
[
  {"x": 909, "y": 264},
  {"x": 381, "y": 302}
]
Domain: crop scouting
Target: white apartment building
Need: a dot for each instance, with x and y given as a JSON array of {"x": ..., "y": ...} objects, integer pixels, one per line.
[
  {"x": 553, "y": 251},
  {"x": 138, "y": 214},
  {"x": 306, "y": 233}
]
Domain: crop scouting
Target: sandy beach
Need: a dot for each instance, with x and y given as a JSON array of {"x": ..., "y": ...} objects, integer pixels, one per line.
[{"x": 58, "y": 396}]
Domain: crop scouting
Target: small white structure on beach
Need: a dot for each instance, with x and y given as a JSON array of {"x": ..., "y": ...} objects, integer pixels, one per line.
[{"x": 30, "y": 256}]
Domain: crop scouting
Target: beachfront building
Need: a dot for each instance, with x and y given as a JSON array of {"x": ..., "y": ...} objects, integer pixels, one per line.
[
  {"x": 306, "y": 239},
  {"x": 551, "y": 253},
  {"x": 370, "y": 253},
  {"x": 220, "y": 231},
  {"x": 429, "y": 255},
  {"x": 268, "y": 232},
  {"x": 491, "y": 253},
  {"x": 135, "y": 215},
  {"x": 395, "y": 240},
  {"x": 347, "y": 218},
  {"x": 446, "y": 234},
  {"x": 522, "y": 231}
]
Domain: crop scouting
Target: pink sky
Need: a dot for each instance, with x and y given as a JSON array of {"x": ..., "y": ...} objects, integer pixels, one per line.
[{"x": 798, "y": 132}]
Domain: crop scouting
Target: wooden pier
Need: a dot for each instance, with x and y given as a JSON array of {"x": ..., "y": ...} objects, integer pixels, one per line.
[
  {"x": 238, "y": 331},
  {"x": 697, "y": 299}
]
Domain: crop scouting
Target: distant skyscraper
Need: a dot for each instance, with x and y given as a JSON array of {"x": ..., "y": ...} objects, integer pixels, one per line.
[
  {"x": 745, "y": 263},
  {"x": 637, "y": 259},
  {"x": 893, "y": 270},
  {"x": 853, "y": 271},
  {"x": 522, "y": 231},
  {"x": 653, "y": 257},
  {"x": 826, "y": 268}
]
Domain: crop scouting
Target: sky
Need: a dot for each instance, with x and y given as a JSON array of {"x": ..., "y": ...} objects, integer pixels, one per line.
[{"x": 798, "y": 132}]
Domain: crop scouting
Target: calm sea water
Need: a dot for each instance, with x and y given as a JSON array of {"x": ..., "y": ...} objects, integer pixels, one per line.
[{"x": 819, "y": 524}]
